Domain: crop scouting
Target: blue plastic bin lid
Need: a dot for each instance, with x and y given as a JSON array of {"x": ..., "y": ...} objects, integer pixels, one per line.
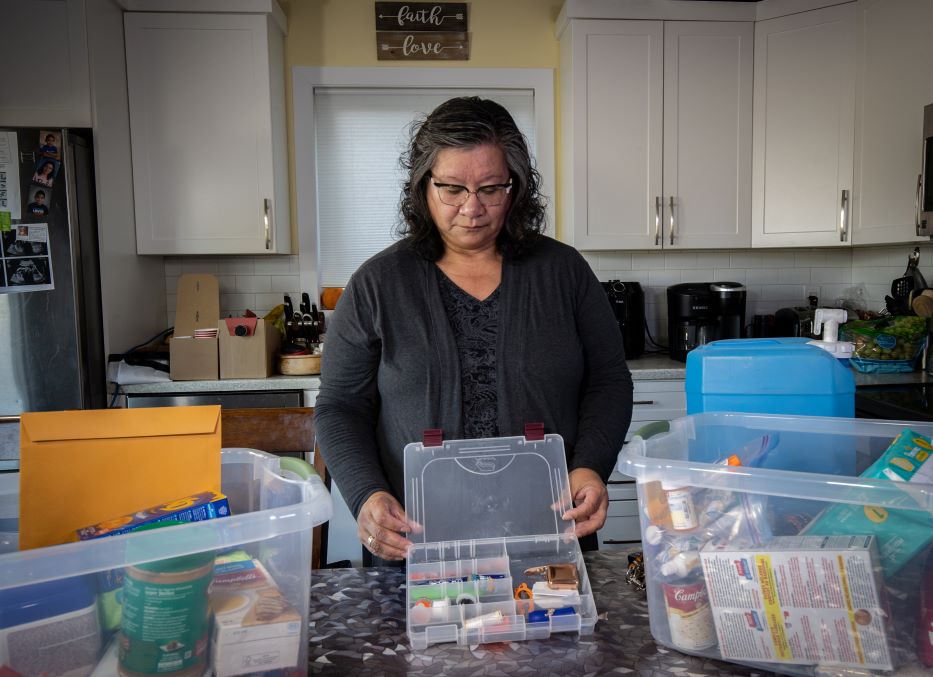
[
  {"x": 769, "y": 366},
  {"x": 29, "y": 603}
]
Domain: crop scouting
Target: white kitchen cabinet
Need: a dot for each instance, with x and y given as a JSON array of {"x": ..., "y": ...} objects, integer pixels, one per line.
[
  {"x": 207, "y": 119},
  {"x": 656, "y": 133},
  {"x": 896, "y": 82},
  {"x": 804, "y": 128},
  {"x": 45, "y": 73},
  {"x": 653, "y": 401}
]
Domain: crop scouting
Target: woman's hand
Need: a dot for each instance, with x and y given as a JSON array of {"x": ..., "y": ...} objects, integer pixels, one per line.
[
  {"x": 380, "y": 526},
  {"x": 592, "y": 501}
]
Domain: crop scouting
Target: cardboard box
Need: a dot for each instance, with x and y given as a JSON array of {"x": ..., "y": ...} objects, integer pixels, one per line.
[
  {"x": 82, "y": 467},
  {"x": 251, "y": 356},
  {"x": 198, "y": 307},
  {"x": 255, "y": 627},
  {"x": 202, "y": 506}
]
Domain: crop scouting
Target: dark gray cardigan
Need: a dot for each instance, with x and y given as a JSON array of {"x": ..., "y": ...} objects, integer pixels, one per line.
[{"x": 390, "y": 368}]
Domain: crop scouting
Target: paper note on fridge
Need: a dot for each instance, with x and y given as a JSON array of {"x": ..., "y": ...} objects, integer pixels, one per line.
[{"x": 81, "y": 467}]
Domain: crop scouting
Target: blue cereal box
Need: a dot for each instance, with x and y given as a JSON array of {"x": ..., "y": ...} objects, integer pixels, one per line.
[{"x": 203, "y": 506}]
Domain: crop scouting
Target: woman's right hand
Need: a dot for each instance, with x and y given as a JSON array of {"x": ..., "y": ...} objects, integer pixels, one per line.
[{"x": 380, "y": 526}]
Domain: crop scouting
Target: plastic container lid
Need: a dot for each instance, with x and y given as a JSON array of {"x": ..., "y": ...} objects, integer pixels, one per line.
[
  {"x": 487, "y": 488},
  {"x": 29, "y": 603}
]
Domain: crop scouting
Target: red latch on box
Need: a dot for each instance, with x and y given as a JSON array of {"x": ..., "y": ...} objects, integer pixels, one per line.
[
  {"x": 432, "y": 437},
  {"x": 534, "y": 432}
]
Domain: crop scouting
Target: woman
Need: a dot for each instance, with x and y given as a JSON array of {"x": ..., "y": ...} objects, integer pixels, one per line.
[{"x": 474, "y": 323}]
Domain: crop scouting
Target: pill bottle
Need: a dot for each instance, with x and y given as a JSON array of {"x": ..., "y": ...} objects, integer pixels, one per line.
[
  {"x": 680, "y": 506},
  {"x": 165, "y": 619}
]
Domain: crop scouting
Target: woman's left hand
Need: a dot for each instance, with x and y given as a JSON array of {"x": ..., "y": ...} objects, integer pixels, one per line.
[{"x": 592, "y": 501}]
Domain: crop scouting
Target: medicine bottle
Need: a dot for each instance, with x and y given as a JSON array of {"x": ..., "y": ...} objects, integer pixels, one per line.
[{"x": 680, "y": 506}]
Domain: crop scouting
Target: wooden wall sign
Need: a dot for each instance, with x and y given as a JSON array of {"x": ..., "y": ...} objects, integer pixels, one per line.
[
  {"x": 421, "y": 16},
  {"x": 402, "y": 46},
  {"x": 422, "y": 31}
]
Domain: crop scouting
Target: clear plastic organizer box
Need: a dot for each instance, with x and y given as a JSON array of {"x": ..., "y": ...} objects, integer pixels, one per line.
[
  {"x": 490, "y": 510},
  {"x": 57, "y": 603},
  {"x": 764, "y": 546}
]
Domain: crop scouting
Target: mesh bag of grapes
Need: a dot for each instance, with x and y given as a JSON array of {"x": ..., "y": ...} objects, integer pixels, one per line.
[{"x": 886, "y": 344}]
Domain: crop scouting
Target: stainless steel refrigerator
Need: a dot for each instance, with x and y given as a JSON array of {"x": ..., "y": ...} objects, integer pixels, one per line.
[{"x": 51, "y": 334}]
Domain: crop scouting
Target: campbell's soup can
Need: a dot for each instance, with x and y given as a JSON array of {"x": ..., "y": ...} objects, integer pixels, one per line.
[{"x": 689, "y": 615}]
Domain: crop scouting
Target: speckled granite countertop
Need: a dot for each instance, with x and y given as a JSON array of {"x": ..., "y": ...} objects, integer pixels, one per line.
[{"x": 358, "y": 628}]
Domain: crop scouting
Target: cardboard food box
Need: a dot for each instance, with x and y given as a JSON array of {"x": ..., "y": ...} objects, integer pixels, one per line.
[
  {"x": 81, "y": 467},
  {"x": 249, "y": 353},
  {"x": 197, "y": 308},
  {"x": 255, "y": 626}
]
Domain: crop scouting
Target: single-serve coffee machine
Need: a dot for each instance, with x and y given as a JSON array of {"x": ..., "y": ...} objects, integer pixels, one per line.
[
  {"x": 701, "y": 312},
  {"x": 628, "y": 304}
]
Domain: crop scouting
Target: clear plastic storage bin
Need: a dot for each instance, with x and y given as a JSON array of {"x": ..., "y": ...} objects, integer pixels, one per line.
[
  {"x": 749, "y": 556},
  {"x": 490, "y": 510},
  {"x": 60, "y": 606}
]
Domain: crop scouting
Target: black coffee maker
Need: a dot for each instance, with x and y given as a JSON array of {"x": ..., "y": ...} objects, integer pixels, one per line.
[
  {"x": 701, "y": 312},
  {"x": 628, "y": 304}
]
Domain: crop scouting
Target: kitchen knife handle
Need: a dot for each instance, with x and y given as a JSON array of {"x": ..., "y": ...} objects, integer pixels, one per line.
[
  {"x": 844, "y": 216},
  {"x": 657, "y": 220},
  {"x": 267, "y": 221},
  {"x": 919, "y": 193},
  {"x": 672, "y": 219}
]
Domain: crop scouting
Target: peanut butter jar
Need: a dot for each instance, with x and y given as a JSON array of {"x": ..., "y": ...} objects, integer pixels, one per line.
[{"x": 166, "y": 616}]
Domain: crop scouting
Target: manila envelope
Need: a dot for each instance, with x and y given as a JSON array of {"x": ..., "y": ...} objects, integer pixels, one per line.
[{"x": 79, "y": 468}]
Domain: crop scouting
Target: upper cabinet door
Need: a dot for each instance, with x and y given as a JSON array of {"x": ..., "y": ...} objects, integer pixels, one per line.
[
  {"x": 206, "y": 100},
  {"x": 804, "y": 128},
  {"x": 708, "y": 83},
  {"x": 611, "y": 98},
  {"x": 45, "y": 65},
  {"x": 896, "y": 83}
]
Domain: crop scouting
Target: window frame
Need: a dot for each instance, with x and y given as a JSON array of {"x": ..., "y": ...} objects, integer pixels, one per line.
[{"x": 305, "y": 79}]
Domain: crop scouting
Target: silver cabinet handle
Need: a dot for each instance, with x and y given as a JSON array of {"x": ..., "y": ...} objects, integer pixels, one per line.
[
  {"x": 657, "y": 220},
  {"x": 919, "y": 193},
  {"x": 267, "y": 221},
  {"x": 844, "y": 217},
  {"x": 672, "y": 219},
  {"x": 642, "y": 402}
]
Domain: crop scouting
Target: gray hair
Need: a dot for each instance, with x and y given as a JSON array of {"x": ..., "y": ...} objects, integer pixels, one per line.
[{"x": 467, "y": 122}]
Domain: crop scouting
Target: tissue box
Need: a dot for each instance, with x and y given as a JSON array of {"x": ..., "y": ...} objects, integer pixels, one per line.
[{"x": 251, "y": 355}]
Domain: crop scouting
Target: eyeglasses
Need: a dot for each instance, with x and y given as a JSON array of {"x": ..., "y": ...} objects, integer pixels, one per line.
[{"x": 492, "y": 195}]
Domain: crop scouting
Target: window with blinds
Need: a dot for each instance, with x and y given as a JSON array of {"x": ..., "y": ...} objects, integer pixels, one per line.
[{"x": 359, "y": 135}]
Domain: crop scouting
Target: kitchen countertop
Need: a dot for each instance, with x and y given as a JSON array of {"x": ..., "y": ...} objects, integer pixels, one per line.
[
  {"x": 357, "y": 627},
  {"x": 646, "y": 368},
  {"x": 276, "y": 382},
  {"x": 651, "y": 368}
]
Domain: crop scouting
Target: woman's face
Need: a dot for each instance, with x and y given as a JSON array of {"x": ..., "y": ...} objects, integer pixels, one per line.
[
  {"x": 46, "y": 169},
  {"x": 471, "y": 227}
]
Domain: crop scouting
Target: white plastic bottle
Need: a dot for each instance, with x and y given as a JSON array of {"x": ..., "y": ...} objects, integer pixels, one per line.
[{"x": 681, "y": 565}]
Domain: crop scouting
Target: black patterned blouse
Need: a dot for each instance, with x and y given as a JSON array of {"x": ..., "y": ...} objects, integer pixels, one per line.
[{"x": 475, "y": 326}]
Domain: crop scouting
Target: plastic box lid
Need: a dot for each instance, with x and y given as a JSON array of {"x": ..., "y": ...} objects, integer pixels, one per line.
[
  {"x": 770, "y": 366},
  {"x": 487, "y": 488}
]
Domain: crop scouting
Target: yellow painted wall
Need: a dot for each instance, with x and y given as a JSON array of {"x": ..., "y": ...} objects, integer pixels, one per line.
[{"x": 503, "y": 34}]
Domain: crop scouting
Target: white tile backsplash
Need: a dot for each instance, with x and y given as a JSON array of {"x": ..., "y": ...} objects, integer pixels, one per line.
[{"x": 775, "y": 278}]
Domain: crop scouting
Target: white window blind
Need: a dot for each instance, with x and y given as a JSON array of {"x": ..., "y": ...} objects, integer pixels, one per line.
[{"x": 359, "y": 136}]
